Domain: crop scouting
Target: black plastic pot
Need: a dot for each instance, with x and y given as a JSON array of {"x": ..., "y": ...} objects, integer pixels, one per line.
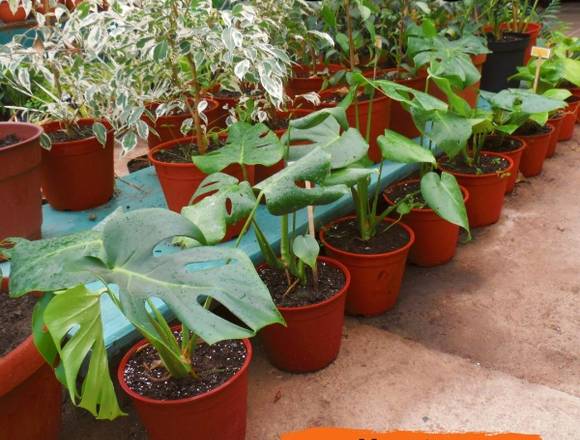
[{"x": 507, "y": 55}]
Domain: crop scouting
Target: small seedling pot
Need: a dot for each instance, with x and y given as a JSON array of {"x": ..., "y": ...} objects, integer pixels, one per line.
[
  {"x": 535, "y": 152},
  {"x": 313, "y": 333},
  {"x": 375, "y": 278},
  {"x": 555, "y": 122},
  {"x": 435, "y": 238}
]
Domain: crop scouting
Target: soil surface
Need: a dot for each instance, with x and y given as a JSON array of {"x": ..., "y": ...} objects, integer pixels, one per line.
[
  {"x": 8, "y": 140},
  {"x": 182, "y": 153},
  {"x": 79, "y": 133},
  {"x": 306, "y": 74},
  {"x": 138, "y": 163},
  {"x": 330, "y": 281},
  {"x": 214, "y": 365},
  {"x": 277, "y": 123},
  {"x": 345, "y": 236},
  {"x": 487, "y": 164},
  {"x": 15, "y": 321},
  {"x": 501, "y": 144},
  {"x": 398, "y": 192},
  {"x": 531, "y": 129}
]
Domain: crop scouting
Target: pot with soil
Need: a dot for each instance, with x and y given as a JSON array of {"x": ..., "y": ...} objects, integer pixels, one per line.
[
  {"x": 211, "y": 406},
  {"x": 30, "y": 395},
  {"x": 507, "y": 55},
  {"x": 508, "y": 146},
  {"x": 305, "y": 79},
  {"x": 569, "y": 121},
  {"x": 435, "y": 238},
  {"x": 77, "y": 172},
  {"x": 556, "y": 122},
  {"x": 20, "y": 164},
  {"x": 532, "y": 30},
  {"x": 537, "y": 139},
  {"x": 486, "y": 183},
  {"x": 376, "y": 266},
  {"x": 314, "y": 317}
]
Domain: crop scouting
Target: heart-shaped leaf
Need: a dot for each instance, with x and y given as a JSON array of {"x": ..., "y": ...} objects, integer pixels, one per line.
[
  {"x": 443, "y": 195},
  {"x": 398, "y": 148}
]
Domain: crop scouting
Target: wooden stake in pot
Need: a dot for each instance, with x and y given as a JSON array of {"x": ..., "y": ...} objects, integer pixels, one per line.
[{"x": 542, "y": 54}]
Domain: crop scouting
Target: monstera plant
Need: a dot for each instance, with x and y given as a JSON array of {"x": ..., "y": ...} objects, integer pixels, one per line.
[{"x": 68, "y": 321}]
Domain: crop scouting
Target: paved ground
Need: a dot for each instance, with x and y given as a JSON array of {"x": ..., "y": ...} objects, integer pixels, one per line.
[{"x": 489, "y": 342}]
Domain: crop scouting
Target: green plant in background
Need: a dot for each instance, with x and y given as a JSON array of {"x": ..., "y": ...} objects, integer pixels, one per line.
[{"x": 67, "y": 322}]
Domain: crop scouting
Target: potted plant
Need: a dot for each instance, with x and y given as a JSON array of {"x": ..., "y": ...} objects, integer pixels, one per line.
[
  {"x": 523, "y": 12},
  {"x": 12, "y": 11},
  {"x": 196, "y": 372}
]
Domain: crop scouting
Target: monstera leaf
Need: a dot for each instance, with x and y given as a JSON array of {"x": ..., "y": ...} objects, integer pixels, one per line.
[
  {"x": 230, "y": 202},
  {"x": 247, "y": 144},
  {"x": 398, "y": 148},
  {"x": 284, "y": 196}
]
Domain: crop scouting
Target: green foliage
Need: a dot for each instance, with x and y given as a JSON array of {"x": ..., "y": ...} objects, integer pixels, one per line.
[{"x": 443, "y": 195}]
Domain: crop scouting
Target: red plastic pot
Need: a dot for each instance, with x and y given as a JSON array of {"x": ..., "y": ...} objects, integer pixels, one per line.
[
  {"x": 300, "y": 85},
  {"x": 569, "y": 122},
  {"x": 311, "y": 339},
  {"x": 375, "y": 278},
  {"x": 30, "y": 395},
  {"x": 486, "y": 193},
  {"x": 516, "y": 157},
  {"x": 401, "y": 120},
  {"x": 21, "y": 204},
  {"x": 435, "y": 238},
  {"x": 80, "y": 174},
  {"x": 555, "y": 122},
  {"x": 7, "y": 16},
  {"x": 532, "y": 30},
  {"x": 169, "y": 127},
  {"x": 217, "y": 414},
  {"x": 535, "y": 152}
]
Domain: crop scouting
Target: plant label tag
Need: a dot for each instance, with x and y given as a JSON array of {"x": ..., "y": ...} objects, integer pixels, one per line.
[{"x": 541, "y": 52}]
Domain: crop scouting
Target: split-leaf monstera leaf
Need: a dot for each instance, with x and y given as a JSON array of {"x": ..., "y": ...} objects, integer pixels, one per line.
[{"x": 123, "y": 255}]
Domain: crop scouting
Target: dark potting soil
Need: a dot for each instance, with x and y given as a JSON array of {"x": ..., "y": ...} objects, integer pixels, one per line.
[
  {"x": 394, "y": 75},
  {"x": 9, "y": 139},
  {"x": 399, "y": 192},
  {"x": 138, "y": 163},
  {"x": 213, "y": 365},
  {"x": 336, "y": 98},
  {"x": 276, "y": 123},
  {"x": 531, "y": 129},
  {"x": 501, "y": 144},
  {"x": 305, "y": 74},
  {"x": 76, "y": 134},
  {"x": 506, "y": 37},
  {"x": 345, "y": 236},
  {"x": 15, "y": 321},
  {"x": 330, "y": 281},
  {"x": 182, "y": 153},
  {"x": 487, "y": 165}
]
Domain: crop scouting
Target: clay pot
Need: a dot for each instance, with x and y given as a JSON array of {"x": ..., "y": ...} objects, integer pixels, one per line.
[
  {"x": 311, "y": 339},
  {"x": 7, "y": 16},
  {"x": 80, "y": 174},
  {"x": 169, "y": 127},
  {"x": 21, "y": 204},
  {"x": 486, "y": 193},
  {"x": 375, "y": 278},
  {"x": 300, "y": 85},
  {"x": 516, "y": 157},
  {"x": 435, "y": 238},
  {"x": 555, "y": 122},
  {"x": 569, "y": 121},
  {"x": 30, "y": 395},
  {"x": 535, "y": 153},
  {"x": 217, "y": 414},
  {"x": 532, "y": 30}
]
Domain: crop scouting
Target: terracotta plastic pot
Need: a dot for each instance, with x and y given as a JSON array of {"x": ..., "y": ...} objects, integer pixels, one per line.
[
  {"x": 576, "y": 92},
  {"x": 535, "y": 153},
  {"x": 401, "y": 120},
  {"x": 569, "y": 121},
  {"x": 7, "y": 16},
  {"x": 380, "y": 110},
  {"x": 30, "y": 395},
  {"x": 555, "y": 122},
  {"x": 21, "y": 200},
  {"x": 486, "y": 193},
  {"x": 298, "y": 85},
  {"x": 311, "y": 339},
  {"x": 435, "y": 238},
  {"x": 80, "y": 174},
  {"x": 375, "y": 278},
  {"x": 217, "y": 414},
  {"x": 516, "y": 157},
  {"x": 169, "y": 127},
  {"x": 532, "y": 30}
]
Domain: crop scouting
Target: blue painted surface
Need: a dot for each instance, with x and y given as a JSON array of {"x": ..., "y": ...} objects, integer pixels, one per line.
[{"x": 6, "y": 34}]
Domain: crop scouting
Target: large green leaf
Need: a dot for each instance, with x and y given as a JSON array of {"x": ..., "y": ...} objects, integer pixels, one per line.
[
  {"x": 74, "y": 321},
  {"x": 284, "y": 196},
  {"x": 227, "y": 202},
  {"x": 449, "y": 131},
  {"x": 443, "y": 195},
  {"x": 398, "y": 148},
  {"x": 525, "y": 101},
  {"x": 247, "y": 144}
]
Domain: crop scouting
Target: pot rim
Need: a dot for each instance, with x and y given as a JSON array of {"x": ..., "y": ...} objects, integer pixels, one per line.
[
  {"x": 39, "y": 130},
  {"x": 378, "y": 97},
  {"x": 506, "y": 153},
  {"x": 464, "y": 191},
  {"x": 556, "y": 118},
  {"x": 536, "y": 136},
  {"x": 134, "y": 395},
  {"x": 212, "y": 105},
  {"x": 487, "y": 153},
  {"x": 48, "y": 128},
  {"x": 332, "y": 68},
  {"x": 333, "y": 298},
  {"x": 402, "y": 249},
  {"x": 168, "y": 145}
]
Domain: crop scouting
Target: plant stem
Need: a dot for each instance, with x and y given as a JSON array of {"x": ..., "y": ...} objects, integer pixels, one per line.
[{"x": 285, "y": 242}]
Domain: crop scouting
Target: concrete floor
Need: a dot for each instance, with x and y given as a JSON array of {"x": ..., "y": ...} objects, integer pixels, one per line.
[{"x": 489, "y": 342}]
